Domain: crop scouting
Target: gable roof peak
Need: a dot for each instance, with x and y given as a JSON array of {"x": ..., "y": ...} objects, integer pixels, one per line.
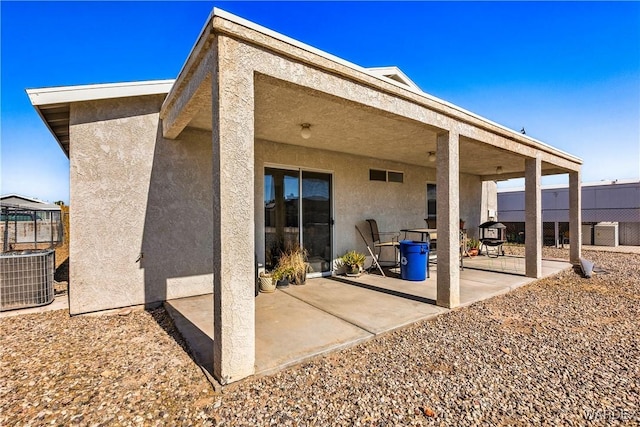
[{"x": 394, "y": 73}]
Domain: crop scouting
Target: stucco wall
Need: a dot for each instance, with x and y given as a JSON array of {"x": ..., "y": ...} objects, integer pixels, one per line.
[
  {"x": 136, "y": 195},
  {"x": 394, "y": 205}
]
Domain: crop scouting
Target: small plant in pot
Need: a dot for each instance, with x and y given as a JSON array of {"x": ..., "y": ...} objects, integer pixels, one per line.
[
  {"x": 282, "y": 276},
  {"x": 473, "y": 247},
  {"x": 267, "y": 282},
  {"x": 353, "y": 262}
]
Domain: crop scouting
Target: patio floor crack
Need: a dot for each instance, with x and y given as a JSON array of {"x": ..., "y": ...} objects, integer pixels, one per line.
[{"x": 330, "y": 313}]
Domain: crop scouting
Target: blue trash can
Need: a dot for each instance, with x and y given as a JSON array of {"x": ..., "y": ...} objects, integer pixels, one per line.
[{"x": 413, "y": 260}]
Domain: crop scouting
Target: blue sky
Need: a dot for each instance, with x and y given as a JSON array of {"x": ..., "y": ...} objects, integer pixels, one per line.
[{"x": 568, "y": 72}]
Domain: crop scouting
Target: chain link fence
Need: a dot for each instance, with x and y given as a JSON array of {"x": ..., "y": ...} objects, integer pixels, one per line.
[
  {"x": 606, "y": 233},
  {"x": 22, "y": 229},
  {"x": 28, "y": 260},
  {"x": 610, "y": 214}
]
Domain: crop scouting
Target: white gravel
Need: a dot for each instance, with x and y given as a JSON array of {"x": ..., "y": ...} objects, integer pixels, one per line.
[{"x": 561, "y": 351}]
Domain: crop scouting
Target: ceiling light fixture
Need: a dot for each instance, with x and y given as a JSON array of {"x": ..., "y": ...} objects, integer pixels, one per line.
[
  {"x": 305, "y": 130},
  {"x": 499, "y": 170},
  {"x": 432, "y": 156}
]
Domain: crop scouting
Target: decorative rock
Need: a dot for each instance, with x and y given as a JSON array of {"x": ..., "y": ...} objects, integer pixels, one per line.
[{"x": 560, "y": 351}]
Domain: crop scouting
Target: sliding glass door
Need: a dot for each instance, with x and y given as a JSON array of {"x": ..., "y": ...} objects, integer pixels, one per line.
[
  {"x": 317, "y": 219},
  {"x": 281, "y": 212},
  {"x": 286, "y": 213}
]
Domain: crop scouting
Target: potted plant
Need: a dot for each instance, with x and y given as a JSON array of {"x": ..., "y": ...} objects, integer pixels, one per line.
[
  {"x": 353, "y": 262},
  {"x": 282, "y": 276},
  {"x": 473, "y": 246},
  {"x": 267, "y": 282},
  {"x": 294, "y": 262}
]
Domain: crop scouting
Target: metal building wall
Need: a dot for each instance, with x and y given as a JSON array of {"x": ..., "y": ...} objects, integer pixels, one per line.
[{"x": 613, "y": 202}]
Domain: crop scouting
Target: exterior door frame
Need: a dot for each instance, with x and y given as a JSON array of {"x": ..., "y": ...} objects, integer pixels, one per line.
[{"x": 300, "y": 169}]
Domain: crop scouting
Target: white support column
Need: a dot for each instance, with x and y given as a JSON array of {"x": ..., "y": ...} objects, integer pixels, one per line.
[
  {"x": 575, "y": 217},
  {"x": 533, "y": 217},
  {"x": 556, "y": 234},
  {"x": 448, "y": 213},
  {"x": 233, "y": 222}
]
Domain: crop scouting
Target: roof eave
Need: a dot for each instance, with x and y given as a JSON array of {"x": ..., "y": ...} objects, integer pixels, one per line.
[
  {"x": 64, "y": 96},
  {"x": 445, "y": 107},
  {"x": 70, "y": 94}
]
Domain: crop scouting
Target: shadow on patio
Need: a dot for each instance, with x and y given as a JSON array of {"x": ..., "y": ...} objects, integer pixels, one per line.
[{"x": 301, "y": 322}]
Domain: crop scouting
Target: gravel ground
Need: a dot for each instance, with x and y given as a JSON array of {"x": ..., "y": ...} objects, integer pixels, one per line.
[{"x": 561, "y": 351}]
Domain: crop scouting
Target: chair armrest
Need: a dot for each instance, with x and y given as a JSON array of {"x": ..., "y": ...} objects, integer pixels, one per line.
[{"x": 395, "y": 234}]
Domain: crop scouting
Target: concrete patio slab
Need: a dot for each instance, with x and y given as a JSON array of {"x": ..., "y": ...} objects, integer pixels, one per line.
[
  {"x": 301, "y": 322},
  {"x": 193, "y": 317},
  {"x": 551, "y": 267},
  {"x": 60, "y": 302},
  {"x": 289, "y": 330},
  {"x": 476, "y": 276},
  {"x": 475, "y": 284},
  {"x": 375, "y": 312},
  {"x": 507, "y": 264}
]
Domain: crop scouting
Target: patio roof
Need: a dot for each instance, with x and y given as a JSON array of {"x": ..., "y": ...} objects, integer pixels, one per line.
[
  {"x": 349, "y": 125},
  {"x": 338, "y": 124}
]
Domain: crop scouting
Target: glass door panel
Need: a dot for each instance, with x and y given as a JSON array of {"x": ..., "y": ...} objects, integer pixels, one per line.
[
  {"x": 281, "y": 212},
  {"x": 317, "y": 219},
  {"x": 431, "y": 206}
]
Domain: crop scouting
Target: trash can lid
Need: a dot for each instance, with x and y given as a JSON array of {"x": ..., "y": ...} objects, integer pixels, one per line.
[{"x": 414, "y": 243}]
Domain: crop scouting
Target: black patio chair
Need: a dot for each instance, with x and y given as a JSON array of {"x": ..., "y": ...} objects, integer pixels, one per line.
[{"x": 379, "y": 243}]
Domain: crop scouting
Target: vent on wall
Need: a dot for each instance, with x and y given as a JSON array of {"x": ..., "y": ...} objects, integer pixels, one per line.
[{"x": 385, "y": 175}]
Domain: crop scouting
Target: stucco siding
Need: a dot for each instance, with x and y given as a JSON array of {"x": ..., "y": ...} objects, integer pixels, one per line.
[
  {"x": 140, "y": 228},
  {"x": 395, "y": 206}
]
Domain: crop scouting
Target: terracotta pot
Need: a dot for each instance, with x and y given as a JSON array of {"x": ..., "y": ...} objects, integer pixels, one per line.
[{"x": 473, "y": 252}]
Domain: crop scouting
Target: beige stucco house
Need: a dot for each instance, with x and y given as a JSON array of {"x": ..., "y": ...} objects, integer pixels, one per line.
[{"x": 173, "y": 184}]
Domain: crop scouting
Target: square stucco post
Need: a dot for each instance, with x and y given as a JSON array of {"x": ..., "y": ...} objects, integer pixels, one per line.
[
  {"x": 533, "y": 217},
  {"x": 447, "y": 210},
  {"x": 233, "y": 221},
  {"x": 575, "y": 217}
]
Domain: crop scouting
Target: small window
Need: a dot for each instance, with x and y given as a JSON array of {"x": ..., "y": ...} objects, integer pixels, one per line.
[
  {"x": 377, "y": 175},
  {"x": 395, "y": 176}
]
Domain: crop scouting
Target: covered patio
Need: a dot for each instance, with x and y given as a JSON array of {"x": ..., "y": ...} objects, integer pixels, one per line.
[
  {"x": 300, "y": 322},
  {"x": 278, "y": 109}
]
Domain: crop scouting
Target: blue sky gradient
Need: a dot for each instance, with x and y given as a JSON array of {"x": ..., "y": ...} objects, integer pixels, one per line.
[{"x": 567, "y": 72}]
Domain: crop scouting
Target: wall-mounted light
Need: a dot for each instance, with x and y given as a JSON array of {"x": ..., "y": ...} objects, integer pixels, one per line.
[
  {"x": 499, "y": 170},
  {"x": 305, "y": 130},
  {"x": 432, "y": 156}
]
